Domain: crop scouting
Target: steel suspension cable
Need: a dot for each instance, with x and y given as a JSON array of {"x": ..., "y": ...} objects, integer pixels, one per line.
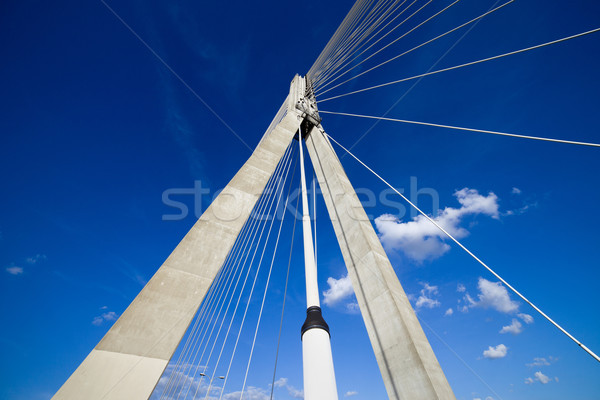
[
  {"x": 198, "y": 318},
  {"x": 464, "y": 129},
  {"x": 364, "y": 37},
  {"x": 287, "y": 277},
  {"x": 179, "y": 372},
  {"x": 222, "y": 301},
  {"x": 350, "y": 32},
  {"x": 198, "y": 345},
  {"x": 416, "y": 82},
  {"x": 337, "y": 37},
  {"x": 224, "y": 294},
  {"x": 274, "y": 182},
  {"x": 381, "y": 38},
  {"x": 250, "y": 295},
  {"x": 315, "y": 214},
  {"x": 357, "y": 35},
  {"x": 587, "y": 350},
  {"x": 262, "y": 305},
  {"x": 420, "y": 45},
  {"x": 260, "y": 206},
  {"x": 209, "y": 302},
  {"x": 388, "y": 45},
  {"x": 467, "y": 64},
  {"x": 224, "y": 315}
]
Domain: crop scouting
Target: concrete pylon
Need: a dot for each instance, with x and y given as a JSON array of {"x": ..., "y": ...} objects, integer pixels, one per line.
[
  {"x": 129, "y": 360},
  {"x": 407, "y": 363}
]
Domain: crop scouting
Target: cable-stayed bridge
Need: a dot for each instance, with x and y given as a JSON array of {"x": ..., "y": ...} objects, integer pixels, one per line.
[{"x": 206, "y": 286}]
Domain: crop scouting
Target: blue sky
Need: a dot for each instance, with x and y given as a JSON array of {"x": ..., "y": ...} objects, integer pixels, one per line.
[{"x": 95, "y": 129}]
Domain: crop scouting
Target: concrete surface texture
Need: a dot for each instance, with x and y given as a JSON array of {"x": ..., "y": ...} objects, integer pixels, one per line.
[
  {"x": 408, "y": 365},
  {"x": 129, "y": 360}
]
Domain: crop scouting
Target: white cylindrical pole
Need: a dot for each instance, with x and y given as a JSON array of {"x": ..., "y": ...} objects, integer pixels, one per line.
[{"x": 319, "y": 375}]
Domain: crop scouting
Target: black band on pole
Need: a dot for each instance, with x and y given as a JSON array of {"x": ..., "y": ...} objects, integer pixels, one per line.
[{"x": 314, "y": 319}]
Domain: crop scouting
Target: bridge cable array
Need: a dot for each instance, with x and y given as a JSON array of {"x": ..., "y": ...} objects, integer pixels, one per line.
[
  {"x": 578, "y": 35},
  {"x": 322, "y": 92},
  {"x": 358, "y": 39},
  {"x": 340, "y": 57},
  {"x": 186, "y": 378}
]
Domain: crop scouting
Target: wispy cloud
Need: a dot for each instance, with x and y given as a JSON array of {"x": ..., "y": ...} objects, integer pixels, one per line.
[
  {"x": 495, "y": 352},
  {"x": 427, "y": 297},
  {"x": 350, "y": 393},
  {"x": 14, "y": 270},
  {"x": 35, "y": 259},
  {"x": 173, "y": 72},
  {"x": 449, "y": 312},
  {"x": 132, "y": 272},
  {"x": 281, "y": 382},
  {"x": 420, "y": 240},
  {"x": 292, "y": 391},
  {"x": 182, "y": 132},
  {"x": 352, "y": 308},
  {"x": 541, "y": 361},
  {"x": 105, "y": 317}
]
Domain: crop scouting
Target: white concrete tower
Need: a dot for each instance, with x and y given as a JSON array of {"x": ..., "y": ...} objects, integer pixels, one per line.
[{"x": 319, "y": 376}]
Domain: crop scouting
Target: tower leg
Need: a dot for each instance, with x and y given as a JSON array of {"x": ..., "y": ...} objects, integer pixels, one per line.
[
  {"x": 129, "y": 360},
  {"x": 408, "y": 365}
]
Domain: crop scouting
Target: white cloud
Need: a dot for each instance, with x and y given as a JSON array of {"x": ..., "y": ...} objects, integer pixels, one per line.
[
  {"x": 516, "y": 190},
  {"x": 426, "y": 298},
  {"x": 250, "y": 393},
  {"x": 515, "y": 328},
  {"x": 539, "y": 376},
  {"x": 107, "y": 316},
  {"x": 295, "y": 393},
  {"x": 460, "y": 288},
  {"x": 449, "y": 312},
  {"x": 339, "y": 289},
  {"x": 35, "y": 259},
  {"x": 424, "y": 301},
  {"x": 495, "y": 352},
  {"x": 281, "y": 382},
  {"x": 350, "y": 393},
  {"x": 528, "y": 319},
  {"x": 14, "y": 270},
  {"x": 427, "y": 288},
  {"x": 494, "y": 295},
  {"x": 292, "y": 391},
  {"x": 353, "y": 308},
  {"x": 420, "y": 240}
]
